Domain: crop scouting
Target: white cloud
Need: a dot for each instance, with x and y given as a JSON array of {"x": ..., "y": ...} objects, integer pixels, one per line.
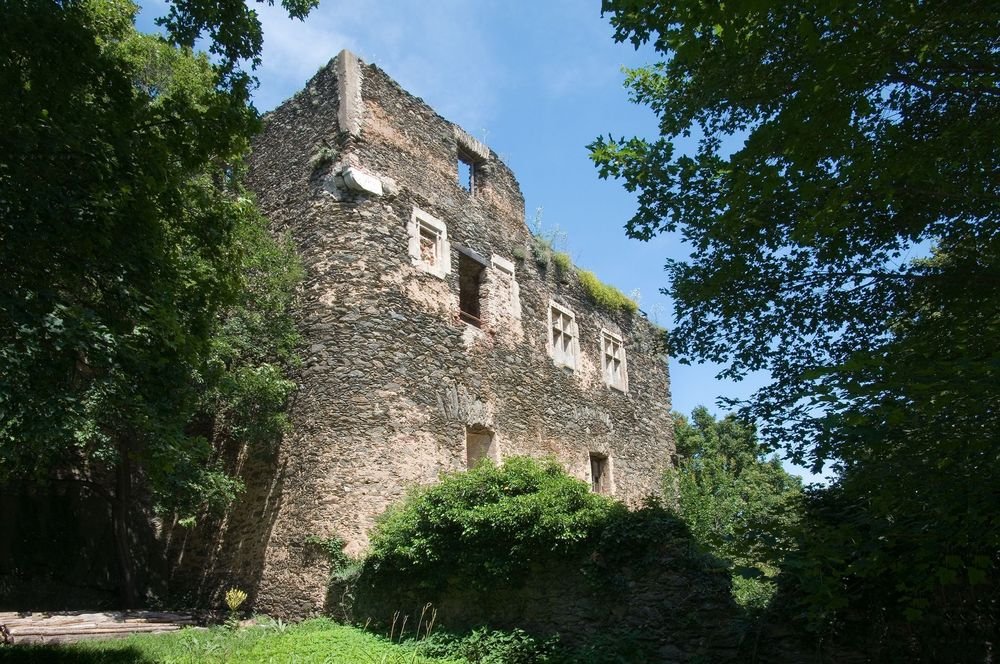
[
  {"x": 293, "y": 51},
  {"x": 437, "y": 50}
]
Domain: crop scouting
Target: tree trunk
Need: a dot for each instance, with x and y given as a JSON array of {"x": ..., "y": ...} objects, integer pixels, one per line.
[{"x": 120, "y": 518}]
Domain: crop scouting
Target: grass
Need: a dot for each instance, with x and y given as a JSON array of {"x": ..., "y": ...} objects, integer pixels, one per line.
[
  {"x": 562, "y": 261},
  {"x": 604, "y": 295},
  {"x": 318, "y": 640}
]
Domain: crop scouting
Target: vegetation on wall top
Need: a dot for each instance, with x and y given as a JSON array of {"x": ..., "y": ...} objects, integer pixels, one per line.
[
  {"x": 543, "y": 248},
  {"x": 605, "y": 295}
]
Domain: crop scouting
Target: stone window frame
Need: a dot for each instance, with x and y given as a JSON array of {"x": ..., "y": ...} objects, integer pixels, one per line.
[
  {"x": 506, "y": 266},
  {"x": 424, "y": 225},
  {"x": 571, "y": 330},
  {"x": 609, "y": 340},
  {"x": 605, "y": 484},
  {"x": 498, "y": 262}
]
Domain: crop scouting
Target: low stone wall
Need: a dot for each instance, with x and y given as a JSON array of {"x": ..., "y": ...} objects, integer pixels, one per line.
[{"x": 669, "y": 603}]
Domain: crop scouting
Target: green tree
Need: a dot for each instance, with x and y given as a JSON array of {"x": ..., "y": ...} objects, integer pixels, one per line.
[
  {"x": 128, "y": 247},
  {"x": 740, "y": 505},
  {"x": 836, "y": 141}
]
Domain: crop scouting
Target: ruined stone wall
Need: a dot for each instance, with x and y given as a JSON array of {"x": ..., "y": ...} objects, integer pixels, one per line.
[{"x": 393, "y": 380}]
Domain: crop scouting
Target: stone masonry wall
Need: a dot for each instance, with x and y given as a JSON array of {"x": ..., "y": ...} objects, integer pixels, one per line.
[{"x": 392, "y": 378}]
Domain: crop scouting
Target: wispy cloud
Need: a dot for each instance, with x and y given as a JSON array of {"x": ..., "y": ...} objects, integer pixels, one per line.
[
  {"x": 293, "y": 51},
  {"x": 439, "y": 51}
]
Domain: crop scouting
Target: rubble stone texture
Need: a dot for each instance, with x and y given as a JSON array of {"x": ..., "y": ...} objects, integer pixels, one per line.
[{"x": 394, "y": 383}]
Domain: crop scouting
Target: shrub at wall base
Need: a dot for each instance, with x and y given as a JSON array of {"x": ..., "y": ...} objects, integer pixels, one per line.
[{"x": 524, "y": 545}]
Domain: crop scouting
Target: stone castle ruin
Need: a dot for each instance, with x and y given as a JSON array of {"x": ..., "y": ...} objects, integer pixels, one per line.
[
  {"x": 433, "y": 338},
  {"x": 435, "y": 334}
]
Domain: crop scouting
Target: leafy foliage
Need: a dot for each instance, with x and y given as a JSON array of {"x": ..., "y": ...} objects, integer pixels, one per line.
[
  {"x": 516, "y": 646},
  {"x": 231, "y": 30},
  {"x": 486, "y": 646},
  {"x": 490, "y": 523},
  {"x": 114, "y": 244},
  {"x": 739, "y": 505},
  {"x": 836, "y": 142},
  {"x": 861, "y": 133},
  {"x": 139, "y": 289},
  {"x": 482, "y": 542},
  {"x": 144, "y": 306},
  {"x": 343, "y": 567}
]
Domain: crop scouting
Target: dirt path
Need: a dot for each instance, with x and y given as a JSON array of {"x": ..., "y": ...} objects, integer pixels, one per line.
[{"x": 71, "y": 626}]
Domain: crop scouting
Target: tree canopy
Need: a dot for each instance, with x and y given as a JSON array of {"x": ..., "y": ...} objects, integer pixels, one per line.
[
  {"x": 144, "y": 307},
  {"x": 836, "y": 141},
  {"x": 739, "y": 504},
  {"x": 840, "y": 208}
]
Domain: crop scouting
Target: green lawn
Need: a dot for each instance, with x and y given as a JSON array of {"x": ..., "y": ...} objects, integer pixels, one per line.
[{"x": 317, "y": 640}]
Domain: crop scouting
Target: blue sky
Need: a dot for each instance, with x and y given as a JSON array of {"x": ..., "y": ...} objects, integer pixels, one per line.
[{"x": 537, "y": 82}]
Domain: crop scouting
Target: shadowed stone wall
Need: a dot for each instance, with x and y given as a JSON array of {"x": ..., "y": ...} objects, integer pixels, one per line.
[{"x": 393, "y": 379}]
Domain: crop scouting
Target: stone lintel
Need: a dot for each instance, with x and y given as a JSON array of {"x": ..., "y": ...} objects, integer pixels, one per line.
[
  {"x": 502, "y": 263},
  {"x": 471, "y": 253},
  {"x": 468, "y": 144}
]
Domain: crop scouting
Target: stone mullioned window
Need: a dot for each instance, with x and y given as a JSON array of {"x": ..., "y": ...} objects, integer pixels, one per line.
[
  {"x": 613, "y": 361},
  {"x": 564, "y": 338}
]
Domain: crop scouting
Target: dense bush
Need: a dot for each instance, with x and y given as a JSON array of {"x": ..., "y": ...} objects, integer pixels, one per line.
[
  {"x": 486, "y": 646},
  {"x": 491, "y": 523},
  {"x": 525, "y": 546}
]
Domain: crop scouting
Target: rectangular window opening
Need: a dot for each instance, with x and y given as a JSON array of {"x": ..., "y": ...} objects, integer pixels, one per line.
[
  {"x": 600, "y": 475},
  {"x": 470, "y": 277},
  {"x": 467, "y": 171},
  {"x": 479, "y": 445}
]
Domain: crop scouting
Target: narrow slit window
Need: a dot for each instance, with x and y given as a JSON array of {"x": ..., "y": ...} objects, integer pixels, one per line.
[
  {"x": 466, "y": 172},
  {"x": 473, "y": 157},
  {"x": 470, "y": 278}
]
